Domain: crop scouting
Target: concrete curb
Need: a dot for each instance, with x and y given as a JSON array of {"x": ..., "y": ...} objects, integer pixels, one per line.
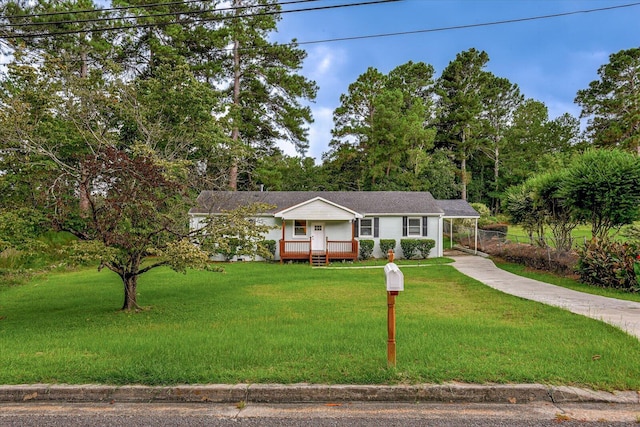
[{"x": 309, "y": 393}]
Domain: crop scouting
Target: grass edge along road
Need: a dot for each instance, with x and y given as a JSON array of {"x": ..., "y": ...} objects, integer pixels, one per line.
[{"x": 271, "y": 323}]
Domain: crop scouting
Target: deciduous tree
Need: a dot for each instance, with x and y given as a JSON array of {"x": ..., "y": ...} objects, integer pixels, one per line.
[{"x": 602, "y": 188}]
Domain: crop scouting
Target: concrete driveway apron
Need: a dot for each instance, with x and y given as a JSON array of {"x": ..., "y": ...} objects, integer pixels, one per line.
[{"x": 623, "y": 314}]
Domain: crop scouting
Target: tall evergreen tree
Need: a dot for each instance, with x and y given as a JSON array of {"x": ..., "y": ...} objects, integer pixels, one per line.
[
  {"x": 460, "y": 106},
  {"x": 381, "y": 126},
  {"x": 500, "y": 102},
  {"x": 612, "y": 103},
  {"x": 264, "y": 88}
]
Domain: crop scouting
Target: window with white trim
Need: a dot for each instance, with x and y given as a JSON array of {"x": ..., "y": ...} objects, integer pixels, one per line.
[
  {"x": 414, "y": 227},
  {"x": 366, "y": 227},
  {"x": 299, "y": 227}
]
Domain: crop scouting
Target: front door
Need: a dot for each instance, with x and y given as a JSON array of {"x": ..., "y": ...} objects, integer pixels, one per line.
[{"x": 317, "y": 237}]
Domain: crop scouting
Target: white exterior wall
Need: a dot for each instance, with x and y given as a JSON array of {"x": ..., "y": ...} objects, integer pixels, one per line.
[
  {"x": 334, "y": 230},
  {"x": 197, "y": 221},
  {"x": 391, "y": 228}
]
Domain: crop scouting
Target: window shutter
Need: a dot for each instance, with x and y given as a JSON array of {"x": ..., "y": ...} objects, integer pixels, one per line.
[
  {"x": 424, "y": 226},
  {"x": 376, "y": 227},
  {"x": 357, "y": 228},
  {"x": 404, "y": 226}
]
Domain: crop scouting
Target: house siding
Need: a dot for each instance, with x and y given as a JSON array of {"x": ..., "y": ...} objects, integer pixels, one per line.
[
  {"x": 320, "y": 211},
  {"x": 391, "y": 228},
  {"x": 337, "y": 210}
]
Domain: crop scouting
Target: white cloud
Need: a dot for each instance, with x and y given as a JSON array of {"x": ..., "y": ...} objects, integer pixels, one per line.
[
  {"x": 322, "y": 63},
  {"x": 320, "y": 132}
]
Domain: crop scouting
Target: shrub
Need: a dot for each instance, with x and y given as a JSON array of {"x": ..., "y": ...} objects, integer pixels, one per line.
[
  {"x": 231, "y": 249},
  {"x": 425, "y": 246},
  {"x": 409, "y": 247},
  {"x": 609, "y": 264},
  {"x": 271, "y": 247},
  {"x": 547, "y": 259},
  {"x": 366, "y": 248},
  {"x": 386, "y": 244}
]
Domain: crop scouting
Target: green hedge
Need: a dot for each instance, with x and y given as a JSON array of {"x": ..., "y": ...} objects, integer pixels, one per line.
[
  {"x": 425, "y": 246},
  {"x": 420, "y": 248},
  {"x": 271, "y": 246},
  {"x": 385, "y": 245},
  {"x": 366, "y": 249}
]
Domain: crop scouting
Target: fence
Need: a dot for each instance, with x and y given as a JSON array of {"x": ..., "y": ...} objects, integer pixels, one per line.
[
  {"x": 465, "y": 236},
  {"x": 521, "y": 249}
]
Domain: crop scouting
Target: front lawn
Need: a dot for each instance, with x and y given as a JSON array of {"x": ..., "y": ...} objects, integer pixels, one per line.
[{"x": 271, "y": 323}]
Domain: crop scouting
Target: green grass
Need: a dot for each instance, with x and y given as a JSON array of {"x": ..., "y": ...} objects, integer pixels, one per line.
[
  {"x": 517, "y": 234},
  {"x": 383, "y": 262},
  {"x": 271, "y": 323},
  {"x": 565, "y": 282}
]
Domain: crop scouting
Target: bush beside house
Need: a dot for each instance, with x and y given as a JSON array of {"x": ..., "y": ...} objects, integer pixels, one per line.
[{"x": 366, "y": 249}]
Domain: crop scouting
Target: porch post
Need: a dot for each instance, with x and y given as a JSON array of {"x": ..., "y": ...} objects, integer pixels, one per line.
[
  {"x": 451, "y": 233},
  {"x": 282, "y": 242},
  {"x": 476, "y": 242}
]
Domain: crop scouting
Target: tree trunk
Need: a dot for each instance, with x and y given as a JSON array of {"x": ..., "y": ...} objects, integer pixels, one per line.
[
  {"x": 496, "y": 177},
  {"x": 235, "y": 133},
  {"x": 83, "y": 192},
  {"x": 130, "y": 292},
  {"x": 463, "y": 166},
  {"x": 463, "y": 169}
]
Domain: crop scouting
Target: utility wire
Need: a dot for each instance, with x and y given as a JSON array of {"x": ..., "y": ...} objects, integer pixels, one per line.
[
  {"x": 450, "y": 28},
  {"x": 461, "y": 27},
  {"x": 183, "y": 21},
  {"x": 75, "y": 21}
]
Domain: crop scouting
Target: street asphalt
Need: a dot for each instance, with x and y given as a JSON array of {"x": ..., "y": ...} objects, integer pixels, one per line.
[{"x": 623, "y": 314}]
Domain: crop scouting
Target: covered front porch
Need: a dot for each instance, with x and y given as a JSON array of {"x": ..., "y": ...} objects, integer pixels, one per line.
[
  {"x": 318, "y": 231},
  {"x": 303, "y": 250}
]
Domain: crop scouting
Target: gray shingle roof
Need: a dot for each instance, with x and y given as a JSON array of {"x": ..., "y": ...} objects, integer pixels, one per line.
[
  {"x": 364, "y": 202},
  {"x": 457, "y": 208}
]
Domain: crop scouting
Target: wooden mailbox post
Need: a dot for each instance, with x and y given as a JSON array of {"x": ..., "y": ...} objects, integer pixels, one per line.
[{"x": 395, "y": 284}]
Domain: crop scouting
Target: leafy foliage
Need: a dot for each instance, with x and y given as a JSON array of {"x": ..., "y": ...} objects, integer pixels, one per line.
[
  {"x": 535, "y": 257},
  {"x": 380, "y": 135},
  {"x": 237, "y": 232},
  {"x": 611, "y": 103},
  {"x": 610, "y": 264},
  {"x": 602, "y": 187},
  {"x": 519, "y": 204},
  {"x": 409, "y": 247},
  {"x": 366, "y": 248},
  {"x": 425, "y": 246},
  {"x": 386, "y": 245},
  {"x": 271, "y": 247}
]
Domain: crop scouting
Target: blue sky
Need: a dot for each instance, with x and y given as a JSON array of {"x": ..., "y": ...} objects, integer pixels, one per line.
[{"x": 550, "y": 59}]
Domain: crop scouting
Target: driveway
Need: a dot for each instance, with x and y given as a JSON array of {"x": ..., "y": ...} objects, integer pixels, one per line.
[{"x": 623, "y": 314}]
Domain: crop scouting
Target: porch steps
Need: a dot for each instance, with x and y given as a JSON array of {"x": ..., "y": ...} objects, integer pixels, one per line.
[{"x": 318, "y": 260}]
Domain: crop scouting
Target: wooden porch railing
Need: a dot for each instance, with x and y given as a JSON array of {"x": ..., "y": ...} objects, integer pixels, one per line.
[{"x": 335, "y": 249}]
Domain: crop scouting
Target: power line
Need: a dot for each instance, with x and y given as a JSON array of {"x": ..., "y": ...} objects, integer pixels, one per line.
[
  {"x": 218, "y": 18},
  {"x": 450, "y": 28},
  {"x": 461, "y": 27},
  {"x": 141, "y": 6},
  {"x": 106, "y": 19}
]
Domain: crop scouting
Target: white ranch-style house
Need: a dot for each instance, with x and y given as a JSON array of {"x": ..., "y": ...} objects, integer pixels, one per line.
[{"x": 327, "y": 225}]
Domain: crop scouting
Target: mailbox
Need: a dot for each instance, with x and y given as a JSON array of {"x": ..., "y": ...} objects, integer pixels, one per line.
[{"x": 395, "y": 278}]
